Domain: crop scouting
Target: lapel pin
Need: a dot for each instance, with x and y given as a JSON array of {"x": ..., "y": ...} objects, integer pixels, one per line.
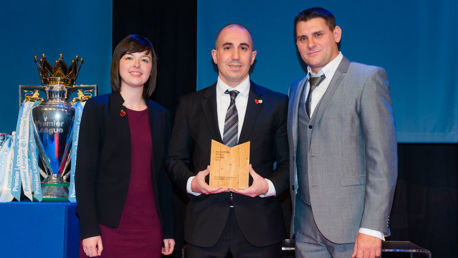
[
  {"x": 258, "y": 101},
  {"x": 122, "y": 113}
]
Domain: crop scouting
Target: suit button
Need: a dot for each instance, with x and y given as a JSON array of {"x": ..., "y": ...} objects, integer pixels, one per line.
[{"x": 310, "y": 127}]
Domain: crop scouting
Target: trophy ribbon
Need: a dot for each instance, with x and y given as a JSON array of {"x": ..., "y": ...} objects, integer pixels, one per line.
[
  {"x": 79, "y": 106},
  {"x": 21, "y": 168},
  {"x": 6, "y": 165},
  {"x": 33, "y": 160}
]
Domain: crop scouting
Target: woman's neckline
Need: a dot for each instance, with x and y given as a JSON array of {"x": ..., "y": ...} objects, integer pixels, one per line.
[{"x": 133, "y": 110}]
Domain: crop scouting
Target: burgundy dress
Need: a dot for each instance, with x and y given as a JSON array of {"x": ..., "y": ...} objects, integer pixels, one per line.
[{"x": 139, "y": 233}]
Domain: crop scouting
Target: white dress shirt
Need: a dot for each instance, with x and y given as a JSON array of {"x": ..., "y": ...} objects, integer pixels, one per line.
[
  {"x": 329, "y": 71},
  {"x": 223, "y": 101}
]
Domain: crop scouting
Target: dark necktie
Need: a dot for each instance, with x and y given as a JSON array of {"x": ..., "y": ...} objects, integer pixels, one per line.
[
  {"x": 314, "y": 82},
  {"x": 231, "y": 124}
]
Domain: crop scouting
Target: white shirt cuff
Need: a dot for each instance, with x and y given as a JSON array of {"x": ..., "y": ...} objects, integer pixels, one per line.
[
  {"x": 372, "y": 232},
  {"x": 189, "y": 188},
  {"x": 271, "y": 191}
]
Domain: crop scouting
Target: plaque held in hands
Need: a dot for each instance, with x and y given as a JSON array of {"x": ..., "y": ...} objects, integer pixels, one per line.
[{"x": 229, "y": 167}]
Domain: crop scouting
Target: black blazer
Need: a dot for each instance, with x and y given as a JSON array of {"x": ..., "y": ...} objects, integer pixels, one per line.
[
  {"x": 196, "y": 124},
  {"x": 103, "y": 164}
]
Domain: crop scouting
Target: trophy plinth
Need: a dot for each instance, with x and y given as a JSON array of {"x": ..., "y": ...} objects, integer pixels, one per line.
[{"x": 55, "y": 189}]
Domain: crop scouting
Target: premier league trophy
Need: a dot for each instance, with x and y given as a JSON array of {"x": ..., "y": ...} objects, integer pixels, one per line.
[{"x": 53, "y": 121}]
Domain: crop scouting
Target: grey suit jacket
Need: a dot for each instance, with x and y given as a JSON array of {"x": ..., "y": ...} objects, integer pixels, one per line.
[{"x": 352, "y": 156}]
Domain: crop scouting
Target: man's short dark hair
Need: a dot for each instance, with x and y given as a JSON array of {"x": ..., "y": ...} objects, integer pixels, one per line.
[{"x": 315, "y": 12}]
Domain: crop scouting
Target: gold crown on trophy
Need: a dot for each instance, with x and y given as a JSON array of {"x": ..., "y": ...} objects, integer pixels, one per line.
[{"x": 60, "y": 73}]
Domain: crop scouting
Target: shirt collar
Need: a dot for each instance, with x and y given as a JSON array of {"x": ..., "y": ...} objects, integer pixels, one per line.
[
  {"x": 328, "y": 69},
  {"x": 243, "y": 88}
]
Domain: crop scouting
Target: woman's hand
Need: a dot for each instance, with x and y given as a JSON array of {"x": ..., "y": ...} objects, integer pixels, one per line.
[
  {"x": 92, "y": 246},
  {"x": 169, "y": 244}
]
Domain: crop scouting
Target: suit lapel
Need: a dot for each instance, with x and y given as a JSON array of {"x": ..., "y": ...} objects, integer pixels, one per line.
[
  {"x": 333, "y": 85},
  {"x": 118, "y": 115},
  {"x": 210, "y": 111},
  {"x": 294, "y": 100},
  {"x": 252, "y": 109}
]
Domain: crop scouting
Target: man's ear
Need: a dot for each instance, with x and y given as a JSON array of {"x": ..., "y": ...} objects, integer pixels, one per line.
[
  {"x": 214, "y": 52},
  {"x": 337, "y": 34},
  {"x": 253, "y": 56}
]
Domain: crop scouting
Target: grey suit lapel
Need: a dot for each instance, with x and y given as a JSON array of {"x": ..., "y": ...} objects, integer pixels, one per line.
[
  {"x": 333, "y": 85},
  {"x": 210, "y": 112},
  {"x": 295, "y": 97},
  {"x": 293, "y": 109}
]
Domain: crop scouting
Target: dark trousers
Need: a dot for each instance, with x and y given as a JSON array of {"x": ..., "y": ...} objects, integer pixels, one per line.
[{"x": 233, "y": 243}]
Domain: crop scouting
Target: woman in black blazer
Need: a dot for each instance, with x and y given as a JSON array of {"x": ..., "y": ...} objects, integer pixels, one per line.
[{"x": 124, "y": 198}]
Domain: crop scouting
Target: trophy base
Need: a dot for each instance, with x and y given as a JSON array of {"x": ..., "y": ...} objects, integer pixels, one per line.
[{"x": 55, "y": 190}]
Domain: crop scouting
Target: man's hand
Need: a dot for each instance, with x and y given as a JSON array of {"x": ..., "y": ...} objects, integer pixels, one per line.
[
  {"x": 169, "y": 244},
  {"x": 198, "y": 184},
  {"x": 367, "y": 246},
  {"x": 258, "y": 187},
  {"x": 92, "y": 246}
]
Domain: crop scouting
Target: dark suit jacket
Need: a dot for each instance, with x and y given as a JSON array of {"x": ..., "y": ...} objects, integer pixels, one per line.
[
  {"x": 196, "y": 124},
  {"x": 103, "y": 164}
]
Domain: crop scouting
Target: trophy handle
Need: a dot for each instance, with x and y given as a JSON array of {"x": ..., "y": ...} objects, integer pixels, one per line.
[
  {"x": 83, "y": 92},
  {"x": 31, "y": 93},
  {"x": 83, "y": 95}
]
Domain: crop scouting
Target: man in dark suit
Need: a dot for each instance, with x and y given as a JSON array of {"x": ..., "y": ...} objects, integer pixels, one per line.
[
  {"x": 221, "y": 221},
  {"x": 342, "y": 146}
]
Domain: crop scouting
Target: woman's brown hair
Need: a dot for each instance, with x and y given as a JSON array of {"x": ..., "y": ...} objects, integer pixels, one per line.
[{"x": 132, "y": 44}]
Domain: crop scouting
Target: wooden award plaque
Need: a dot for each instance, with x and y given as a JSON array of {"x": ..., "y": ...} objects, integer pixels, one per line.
[{"x": 229, "y": 166}]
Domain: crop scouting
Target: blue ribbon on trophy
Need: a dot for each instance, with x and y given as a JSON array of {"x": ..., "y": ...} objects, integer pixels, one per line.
[
  {"x": 23, "y": 167},
  {"x": 6, "y": 168},
  {"x": 79, "y": 106},
  {"x": 33, "y": 160},
  {"x": 16, "y": 172}
]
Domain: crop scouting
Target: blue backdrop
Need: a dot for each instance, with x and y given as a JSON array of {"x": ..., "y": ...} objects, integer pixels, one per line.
[
  {"x": 415, "y": 41},
  {"x": 29, "y": 28}
]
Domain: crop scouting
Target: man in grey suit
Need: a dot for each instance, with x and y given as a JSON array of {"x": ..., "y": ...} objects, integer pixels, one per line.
[{"x": 342, "y": 145}]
